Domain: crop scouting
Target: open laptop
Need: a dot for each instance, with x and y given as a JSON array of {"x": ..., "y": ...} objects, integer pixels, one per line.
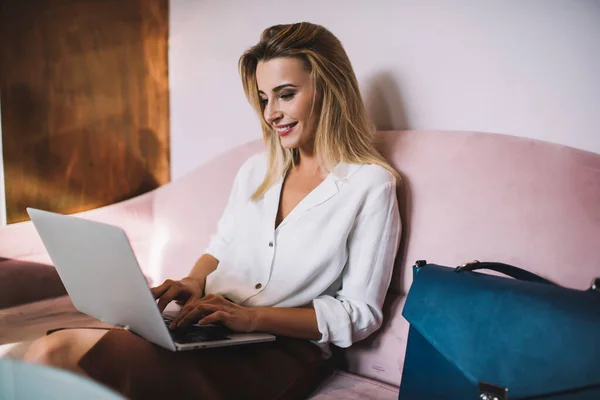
[{"x": 102, "y": 276}]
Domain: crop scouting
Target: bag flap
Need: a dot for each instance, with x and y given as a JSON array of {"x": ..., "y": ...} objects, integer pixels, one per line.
[{"x": 530, "y": 338}]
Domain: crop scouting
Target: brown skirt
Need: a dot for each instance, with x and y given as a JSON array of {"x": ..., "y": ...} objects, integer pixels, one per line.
[{"x": 284, "y": 369}]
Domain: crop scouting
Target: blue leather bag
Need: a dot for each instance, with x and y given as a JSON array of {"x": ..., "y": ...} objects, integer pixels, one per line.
[{"x": 480, "y": 336}]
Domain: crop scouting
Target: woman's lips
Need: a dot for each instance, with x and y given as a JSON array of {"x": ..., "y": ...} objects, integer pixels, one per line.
[{"x": 285, "y": 129}]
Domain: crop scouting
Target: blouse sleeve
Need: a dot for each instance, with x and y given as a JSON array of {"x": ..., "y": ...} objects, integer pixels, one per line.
[
  {"x": 356, "y": 310},
  {"x": 220, "y": 240}
]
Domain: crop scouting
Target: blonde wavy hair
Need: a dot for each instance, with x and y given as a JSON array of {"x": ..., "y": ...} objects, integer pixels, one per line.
[{"x": 344, "y": 131}]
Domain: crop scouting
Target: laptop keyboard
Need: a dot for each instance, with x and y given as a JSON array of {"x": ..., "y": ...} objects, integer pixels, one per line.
[{"x": 195, "y": 333}]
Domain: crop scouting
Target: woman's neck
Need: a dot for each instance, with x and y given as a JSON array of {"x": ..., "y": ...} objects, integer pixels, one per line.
[{"x": 307, "y": 164}]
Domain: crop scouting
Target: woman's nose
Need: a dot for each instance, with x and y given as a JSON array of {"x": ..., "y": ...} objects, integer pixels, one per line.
[{"x": 272, "y": 113}]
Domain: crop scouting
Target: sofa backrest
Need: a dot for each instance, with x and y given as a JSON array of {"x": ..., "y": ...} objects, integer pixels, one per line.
[
  {"x": 487, "y": 197},
  {"x": 186, "y": 212}
]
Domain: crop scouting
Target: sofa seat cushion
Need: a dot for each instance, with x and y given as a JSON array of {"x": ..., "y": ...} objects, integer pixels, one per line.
[
  {"x": 344, "y": 385},
  {"x": 30, "y": 321}
]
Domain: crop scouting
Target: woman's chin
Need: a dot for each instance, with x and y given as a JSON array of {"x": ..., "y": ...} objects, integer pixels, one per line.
[{"x": 288, "y": 142}]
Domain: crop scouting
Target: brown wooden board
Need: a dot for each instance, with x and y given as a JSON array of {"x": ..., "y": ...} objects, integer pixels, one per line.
[{"x": 85, "y": 107}]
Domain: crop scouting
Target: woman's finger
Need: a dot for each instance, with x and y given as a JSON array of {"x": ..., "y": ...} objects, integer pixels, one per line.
[
  {"x": 193, "y": 315},
  {"x": 161, "y": 289},
  {"x": 218, "y": 316},
  {"x": 193, "y": 303},
  {"x": 189, "y": 307},
  {"x": 168, "y": 297}
]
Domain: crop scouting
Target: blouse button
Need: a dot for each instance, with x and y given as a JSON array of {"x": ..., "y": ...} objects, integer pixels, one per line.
[
  {"x": 270, "y": 244},
  {"x": 258, "y": 286}
]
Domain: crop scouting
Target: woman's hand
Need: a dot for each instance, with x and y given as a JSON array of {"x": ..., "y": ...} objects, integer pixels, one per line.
[
  {"x": 211, "y": 309},
  {"x": 181, "y": 291}
]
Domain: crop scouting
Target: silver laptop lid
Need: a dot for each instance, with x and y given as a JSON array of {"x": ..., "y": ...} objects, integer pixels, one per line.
[{"x": 101, "y": 274}]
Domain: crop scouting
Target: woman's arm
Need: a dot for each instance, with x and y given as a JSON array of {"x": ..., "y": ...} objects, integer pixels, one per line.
[
  {"x": 202, "y": 268},
  {"x": 294, "y": 322},
  {"x": 356, "y": 309},
  {"x": 190, "y": 287}
]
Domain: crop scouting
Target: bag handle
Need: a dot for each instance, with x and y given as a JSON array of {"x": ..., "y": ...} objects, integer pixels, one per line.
[{"x": 505, "y": 269}]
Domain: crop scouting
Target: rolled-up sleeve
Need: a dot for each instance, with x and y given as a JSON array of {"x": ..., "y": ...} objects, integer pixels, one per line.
[{"x": 356, "y": 310}]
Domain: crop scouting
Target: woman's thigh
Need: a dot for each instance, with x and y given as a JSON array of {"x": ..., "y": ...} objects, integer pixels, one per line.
[
  {"x": 284, "y": 369},
  {"x": 64, "y": 348},
  {"x": 81, "y": 340}
]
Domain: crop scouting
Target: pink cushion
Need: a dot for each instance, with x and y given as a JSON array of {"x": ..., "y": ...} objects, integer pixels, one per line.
[
  {"x": 502, "y": 198},
  {"x": 347, "y": 386}
]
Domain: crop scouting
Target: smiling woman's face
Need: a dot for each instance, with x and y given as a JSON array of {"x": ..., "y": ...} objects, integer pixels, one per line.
[{"x": 287, "y": 93}]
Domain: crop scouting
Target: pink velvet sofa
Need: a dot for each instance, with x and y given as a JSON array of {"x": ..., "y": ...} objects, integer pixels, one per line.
[{"x": 465, "y": 196}]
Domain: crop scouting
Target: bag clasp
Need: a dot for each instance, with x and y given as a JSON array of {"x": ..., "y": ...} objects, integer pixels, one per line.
[
  {"x": 487, "y": 391},
  {"x": 595, "y": 285}
]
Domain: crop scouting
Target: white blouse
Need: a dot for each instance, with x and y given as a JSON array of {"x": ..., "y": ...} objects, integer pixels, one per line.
[{"x": 335, "y": 250}]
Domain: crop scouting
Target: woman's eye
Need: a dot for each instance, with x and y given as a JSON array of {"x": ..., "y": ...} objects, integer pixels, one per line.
[
  {"x": 287, "y": 96},
  {"x": 263, "y": 102}
]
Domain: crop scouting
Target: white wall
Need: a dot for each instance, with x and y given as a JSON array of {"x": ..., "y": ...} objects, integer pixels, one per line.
[
  {"x": 2, "y": 189},
  {"x": 523, "y": 67}
]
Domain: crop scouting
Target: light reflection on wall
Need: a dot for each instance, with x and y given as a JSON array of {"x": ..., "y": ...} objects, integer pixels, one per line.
[{"x": 160, "y": 238}]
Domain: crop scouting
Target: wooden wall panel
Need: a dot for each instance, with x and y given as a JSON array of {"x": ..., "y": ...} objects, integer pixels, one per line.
[{"x": 84, "y": 92}]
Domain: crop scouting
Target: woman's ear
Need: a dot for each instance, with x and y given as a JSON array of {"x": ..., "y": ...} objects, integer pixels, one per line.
[
  {"x": 317, "y": 103},
  {"x": 317, "y": 94}
]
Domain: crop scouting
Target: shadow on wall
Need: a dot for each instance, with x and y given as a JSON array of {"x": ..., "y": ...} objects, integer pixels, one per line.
[
  {"x": 384, "y": 103},
  {"x": 385, "y": 107}
]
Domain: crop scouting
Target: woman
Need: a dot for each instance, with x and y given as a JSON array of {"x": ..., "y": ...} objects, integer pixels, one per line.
[{"x": 304, "y": 249}]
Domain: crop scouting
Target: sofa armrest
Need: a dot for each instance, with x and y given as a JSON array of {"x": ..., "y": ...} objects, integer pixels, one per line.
[
  {"x": 21, "y": 241},
  {"x": 24, "y": 282}
]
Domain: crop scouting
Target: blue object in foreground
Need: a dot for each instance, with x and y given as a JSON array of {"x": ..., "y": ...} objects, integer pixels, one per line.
[
  {"x": 475, "y": 335},
  {"x": 20, "y": 380}
]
